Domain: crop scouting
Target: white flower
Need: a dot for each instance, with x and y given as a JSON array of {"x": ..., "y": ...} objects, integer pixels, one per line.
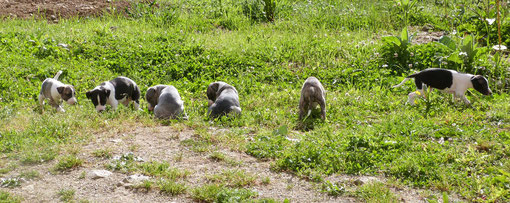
[
  {"x": 395, "y": 55},
  {"x": 385, "y": 66},
  {"x": 462, "y": 54},
  {"x": 490, "y": 20},
  {"x": 499, "y": 47},
  {"x": 454, "y": 32}
]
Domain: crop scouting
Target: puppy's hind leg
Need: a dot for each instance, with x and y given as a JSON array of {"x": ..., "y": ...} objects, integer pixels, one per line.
[
  {"x": 322, "y": 103},
  {"x": 41, "y": 100},
  {"x": 410, "y": 99},
  {"x": 136, "y": 104},
  {"x": 464, "y": 98}
]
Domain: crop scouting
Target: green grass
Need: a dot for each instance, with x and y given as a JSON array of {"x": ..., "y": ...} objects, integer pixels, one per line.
[
  {"x": 218, "y": 193},
  {"x": 103, "y": 153},
  {"x": 66, "y": 195},
  {"x": 8, "y": 198},
  {"x": 375, "y": 192},
  {"x": 436, "y": 145},
  {"x": 219, "y": 156},
  {"x": 162, "y": 169},
  {"x": 68, "y": 162},
  {"x": 233, "y": 178},
  {"x": 172, "y": 188}
]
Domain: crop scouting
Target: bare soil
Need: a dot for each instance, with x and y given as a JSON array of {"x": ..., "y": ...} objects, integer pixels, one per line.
[
  {"x": 55, "y": 9},
  {"x": 162, "y": 144}
]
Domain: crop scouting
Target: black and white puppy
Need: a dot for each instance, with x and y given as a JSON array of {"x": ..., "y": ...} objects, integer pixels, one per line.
[
  {"x": 223, "y": 99},
  {"x": 119, "y": 90},
  {"x": 56, "y": 91},
  {"x": 312, "y": 94},
  {"x": 165, "y": 101},
  {"x": 448, "y": 81}
]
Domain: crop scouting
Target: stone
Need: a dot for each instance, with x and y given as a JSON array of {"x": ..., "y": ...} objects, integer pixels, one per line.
[
  {"x": 96, "y": 174},
  {"x": 136, "y": 178}
]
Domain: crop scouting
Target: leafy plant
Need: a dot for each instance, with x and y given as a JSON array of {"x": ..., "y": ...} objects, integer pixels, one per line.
[
  {"x": 395, "y": 51},
  {"x": 406, "y": 7}
]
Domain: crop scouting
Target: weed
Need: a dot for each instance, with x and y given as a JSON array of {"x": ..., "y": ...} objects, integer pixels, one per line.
[
  {"x": 266, "y": 180},
  {"x": 83, "y": 174},
  {"x": 103, "y": 153},
  {"x": 6, "y": 197},
  {"x": 219, "y": 156},
  {"x": 68, "y": 162},
  {"x": 29, "y": 175},
  {"x": 10, "y": 182},
  {"x": 146, "y": 185},
  {"x": 66, "y": 195},
  {"x": 333, "y": 189},
  {"x": 233, "y": 178},
  {"x": 218, "y": 193},
  {"x": 196, "y": 146},
  {"x": 124, "y": 163},
  {"x": 375, "y": 192},
  {"x": 171, "y": 188}
]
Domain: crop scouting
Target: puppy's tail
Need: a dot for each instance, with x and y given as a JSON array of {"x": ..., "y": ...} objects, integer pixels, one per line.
[
  {"x": 57, "y": 75},
  {"x": 405, "y": 80}
]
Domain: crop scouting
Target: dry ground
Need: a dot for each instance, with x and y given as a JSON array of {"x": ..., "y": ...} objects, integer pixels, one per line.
[{"x": 164, "y": 144}]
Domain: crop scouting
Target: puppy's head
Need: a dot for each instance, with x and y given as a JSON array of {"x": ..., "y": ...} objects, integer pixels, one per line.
[
  {"x": 152, "y": 96},
  {"x": 99, "y": 96},
  {"x": 481, "y": 84},
  {"x": 212, "y": 90},
  {"x": 67, "y": 93}
]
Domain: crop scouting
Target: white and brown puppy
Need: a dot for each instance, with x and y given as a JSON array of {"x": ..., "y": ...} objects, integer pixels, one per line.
[
  {"x": 223, "y": 99},
  {"x": 165, "y": 101},
  {"x": 56, "y": 91},
  {"x": 312, "y": 94},
  {"x": 448, "y": 81},
  {"x": 119, "y": 90}
]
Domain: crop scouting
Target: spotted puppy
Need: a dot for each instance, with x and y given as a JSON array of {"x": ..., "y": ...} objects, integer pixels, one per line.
[
  {"x": 119, "y": 90},
  {"x": 223, "y": 99},
  {"x": 165, "y": 101},
  {"x": 56, "y": 91},
  {"x": 448, "y": 81},
  {"x": 312, "y": 94}
]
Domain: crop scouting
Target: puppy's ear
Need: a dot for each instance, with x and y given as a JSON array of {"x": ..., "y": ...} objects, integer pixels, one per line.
[
  {"x": 211, "y": 91},
  {"x": 60, "y": 89},
  {"x": 89, "y": 94},
  {"x": 150, "y": 92},
  {"x": 108, "y": 93}
]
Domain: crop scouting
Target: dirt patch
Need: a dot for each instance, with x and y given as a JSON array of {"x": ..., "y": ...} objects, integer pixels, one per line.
[
  {"x": 423, "y": 35},
  {"x": 162, "y": 144},
  {"x": 55, "y": 9}
]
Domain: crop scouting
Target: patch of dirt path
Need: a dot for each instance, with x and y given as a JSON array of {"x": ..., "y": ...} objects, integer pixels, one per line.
[
  {"x": 161, "y": 143},
  {"x": 54, "y": 9}
]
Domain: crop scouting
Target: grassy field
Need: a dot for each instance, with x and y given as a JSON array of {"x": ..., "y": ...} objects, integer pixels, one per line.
[{"x": 436, "y": 145}]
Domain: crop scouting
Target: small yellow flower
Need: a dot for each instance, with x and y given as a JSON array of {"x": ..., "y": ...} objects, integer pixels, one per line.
[{"x": 418, "y": 92}]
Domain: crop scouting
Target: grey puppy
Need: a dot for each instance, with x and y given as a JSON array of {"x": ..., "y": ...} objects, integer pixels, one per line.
[
  {"x": 223, "y": 99},
  {"x": 165, "y": 101},
  {"x": 312, "y": 93},
  {"x": 56, "y": 91}
]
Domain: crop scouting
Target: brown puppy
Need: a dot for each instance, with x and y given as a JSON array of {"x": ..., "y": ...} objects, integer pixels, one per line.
[{"x": 312, "y": 93}]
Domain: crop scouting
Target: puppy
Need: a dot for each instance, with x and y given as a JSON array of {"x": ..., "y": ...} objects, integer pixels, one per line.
[
  {"x": 312, "y": 93},
  {"x": 165, "y": 101},
  {"x": 448, "y": 81},
  {"x": 223, "y": 99},
  {"x": 56, "y": 91},
  {"x": 119, "y": 90}
]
